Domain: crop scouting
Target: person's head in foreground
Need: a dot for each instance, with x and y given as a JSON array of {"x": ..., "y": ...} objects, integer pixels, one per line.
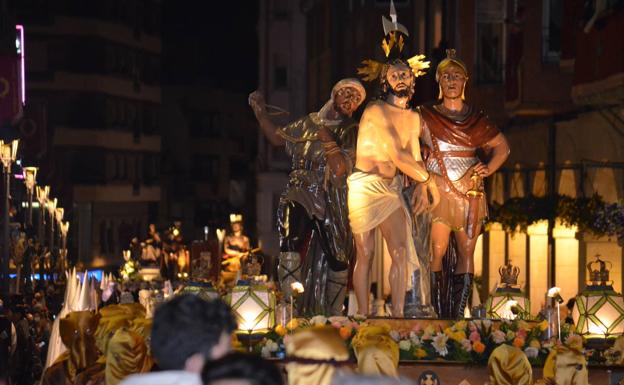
[
  {"x": 241, "y": 369},
  {"x": 188, "y": 331}
]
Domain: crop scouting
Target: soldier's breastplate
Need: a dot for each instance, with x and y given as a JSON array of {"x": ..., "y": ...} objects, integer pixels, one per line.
[{"x": 456, "y": 166}]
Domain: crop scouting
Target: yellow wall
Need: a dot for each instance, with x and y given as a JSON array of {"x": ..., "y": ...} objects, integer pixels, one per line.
[
  {"x": 566, "y": 260},
  {"x": 538, "y": 254},
  {"x": 517, "y": 249},
  {"x": 496, "y": 256}
]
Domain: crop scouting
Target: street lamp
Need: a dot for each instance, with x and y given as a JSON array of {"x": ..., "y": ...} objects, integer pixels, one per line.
[
  {"x": 30, "y": 180},
  {"x": 63, "y": 229},
  {"x": 51, "y": 206},
  {"x": 42, "y": 198},
  {"x": 8, "y": 154}
]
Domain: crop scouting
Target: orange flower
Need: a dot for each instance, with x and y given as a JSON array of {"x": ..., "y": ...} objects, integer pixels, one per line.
[
  {"x": 280, "y": 330},
  {"x": 420, "y": 353},
  {"x": 478, "y": 347},
  {"x": 292, "y": 324},
  {"x": 518, "y": 342},
  {"x": 345, "y": 332}
]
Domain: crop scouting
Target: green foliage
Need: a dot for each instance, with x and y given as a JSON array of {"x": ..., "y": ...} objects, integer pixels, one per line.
[{"x": 589, "y": 214}]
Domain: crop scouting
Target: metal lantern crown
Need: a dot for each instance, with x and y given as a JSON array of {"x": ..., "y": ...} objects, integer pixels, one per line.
[
  {"x": 253, "y": 307},
  {"x": 599, "y": 311},
  {"x": 508, "y": 301}
]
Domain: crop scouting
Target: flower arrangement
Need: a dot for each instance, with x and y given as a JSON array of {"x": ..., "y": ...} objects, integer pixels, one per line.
[{"x": 466, "y": 341}]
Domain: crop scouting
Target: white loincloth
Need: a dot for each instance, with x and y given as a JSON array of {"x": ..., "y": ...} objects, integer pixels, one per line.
[{"x": 371, "y": 200}]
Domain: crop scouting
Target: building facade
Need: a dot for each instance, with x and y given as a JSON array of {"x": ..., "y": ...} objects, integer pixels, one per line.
[{"x": 92, "y": 116}]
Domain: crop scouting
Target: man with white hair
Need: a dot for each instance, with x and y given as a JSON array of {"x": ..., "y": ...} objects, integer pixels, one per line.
[{"x": 321, "y": 146}]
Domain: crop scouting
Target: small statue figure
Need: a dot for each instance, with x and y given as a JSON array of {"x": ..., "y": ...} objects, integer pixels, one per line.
[{"x": 235, "y": 245}]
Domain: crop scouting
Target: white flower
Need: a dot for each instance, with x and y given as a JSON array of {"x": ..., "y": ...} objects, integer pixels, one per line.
[
  {"x": 318, "y": 320},
  {"x": 466, "y": 345},
  {"x": 272, "y": 345},
  {"x": 498, "y": 337},
  {"x": 531, "y": 352},
  {"x": 395, "y": 335},
  {"x": 339, "y": 319},
  {"x": 414, "y": 339},
  {"x": 265, "y": 352},
  {"x": 439, "y": 344},
  {"x": 405, "y": 345},
  {"x": 297, "y": 287}
]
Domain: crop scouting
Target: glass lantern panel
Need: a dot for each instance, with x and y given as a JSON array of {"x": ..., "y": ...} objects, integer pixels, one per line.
[
  {"x": 594, "y": 302},
  {"x": 248, "y": 312},
  {"x": 607, "y": 315}
]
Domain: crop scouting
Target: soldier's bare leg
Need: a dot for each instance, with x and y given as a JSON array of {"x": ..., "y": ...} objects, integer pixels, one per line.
[
  {"x": 465, "y": 251},
  {"x": 440, "y": 234}
]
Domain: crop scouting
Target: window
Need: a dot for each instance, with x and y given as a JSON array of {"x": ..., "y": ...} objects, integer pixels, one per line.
[
  {"x": 490, "y": 40},
  {"x": 552, "y": 17}
]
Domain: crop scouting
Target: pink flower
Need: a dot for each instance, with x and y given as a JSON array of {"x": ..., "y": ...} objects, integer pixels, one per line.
[
  {"x": 475, "y": 336},
  {"x": 522, "y": 333},
  {"x": 498, "y": 337},
  {"x": 337, "y": 325}
]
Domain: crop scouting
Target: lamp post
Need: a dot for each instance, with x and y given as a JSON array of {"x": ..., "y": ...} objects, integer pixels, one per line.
[
  {"x": 8, "y": 154},
  {"x": 30, "y": 180},
  {"x": 58, "y": 215},
  {"x": 51, "y": 206},
  {"x": 63, "y": 229},
  {"x": 42, "y": 198}
]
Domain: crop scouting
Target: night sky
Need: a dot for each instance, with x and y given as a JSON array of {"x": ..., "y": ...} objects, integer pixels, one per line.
[{"x": 210, "y": 43}]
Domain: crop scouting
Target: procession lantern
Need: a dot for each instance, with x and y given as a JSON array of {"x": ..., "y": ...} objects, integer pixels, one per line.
[
  {"x": 42, "y": 195},
  {"x": 58, "y": 215},
  {"x": 30, "y": 178},
  {"x": 51, "y": 206},
  {"x": 8, "y": 152},
  {"x": 599, "y": 311},
  {"x": 203, "y": 290},
  {"x": 508, "y": 300},
  {"x": 253, "y": 307}
]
